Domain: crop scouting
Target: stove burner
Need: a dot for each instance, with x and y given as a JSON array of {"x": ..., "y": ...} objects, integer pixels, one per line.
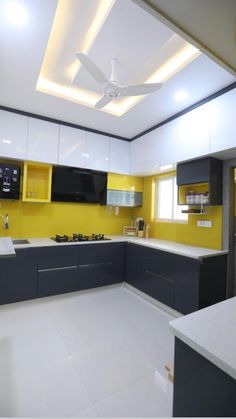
[
  {"x": 79, "y": 237},
  {"x": 61, "y": 239},
  {"x": 97, "y": 236}
]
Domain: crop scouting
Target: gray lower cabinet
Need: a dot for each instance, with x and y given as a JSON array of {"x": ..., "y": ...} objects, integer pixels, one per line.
[
  {"x": 18, "y": 277},
  {"x": 101, "y": 264},
  {"x": 183, "y": 283},
  {"x": 57, "y": 270},
  {"x": 72, "y": 268}
]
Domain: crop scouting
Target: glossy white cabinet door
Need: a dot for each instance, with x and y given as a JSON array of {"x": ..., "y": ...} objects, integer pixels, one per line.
[
  {"x": 119, "y": 156},
  {"x": 223, "y": 122},
  {"x": 13, "y": 135},
  {"x": 186, "y": 137},
  {"x": 136, "y": 156},
  {"x": 97, "y": 152},
  {"x": 72, "y": 146},
  {"x": 43, "y": 138},
  {"x": 145, "y": 154}
]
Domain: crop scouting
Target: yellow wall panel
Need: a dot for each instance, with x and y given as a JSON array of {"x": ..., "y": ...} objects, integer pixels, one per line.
[
  {"x": 45, "y": 220},
  {"x": 124, "y": 182},
  {"x": 187, "y": 233}
]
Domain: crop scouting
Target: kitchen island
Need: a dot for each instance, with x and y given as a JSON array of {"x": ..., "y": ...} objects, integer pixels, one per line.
[{"x": 205, "y": 362}]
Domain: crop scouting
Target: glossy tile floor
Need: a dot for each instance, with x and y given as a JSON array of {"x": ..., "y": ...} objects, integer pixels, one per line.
[{"x": 95, "y": 353}]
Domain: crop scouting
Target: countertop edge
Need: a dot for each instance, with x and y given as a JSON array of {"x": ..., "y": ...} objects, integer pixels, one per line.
[
  {"x": 224, "y": 366},
  {"x": 163, "y": 245}
]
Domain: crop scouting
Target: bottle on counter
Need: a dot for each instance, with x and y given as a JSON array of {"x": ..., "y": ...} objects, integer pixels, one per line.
[
  {"x": 147, "y": 231},
  {"x": 141, "y": 228}
]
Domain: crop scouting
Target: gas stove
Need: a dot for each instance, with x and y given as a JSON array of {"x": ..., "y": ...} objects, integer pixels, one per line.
[{"x": 78, "y": 237}]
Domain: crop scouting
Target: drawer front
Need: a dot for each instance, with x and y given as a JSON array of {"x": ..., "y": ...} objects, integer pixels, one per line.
[
  {"x": 57, "y": 281},
  {"x": 57, "y": 257},
  {"x": 160, "y": 287}
]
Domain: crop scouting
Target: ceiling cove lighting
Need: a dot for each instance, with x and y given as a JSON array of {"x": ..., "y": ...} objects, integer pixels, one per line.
[
  {"x": 16, "y": 13},
  {"x": 65, "y": 89},
  {"x": 93, "y": 31},
  {"x": 180, "y": 95}
]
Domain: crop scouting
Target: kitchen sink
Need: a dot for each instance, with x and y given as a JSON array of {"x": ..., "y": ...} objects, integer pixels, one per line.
[{"x": 20, "y": 241}]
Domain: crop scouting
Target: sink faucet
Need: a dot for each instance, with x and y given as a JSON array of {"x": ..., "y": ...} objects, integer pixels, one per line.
[{"x": 5, "y": 221}]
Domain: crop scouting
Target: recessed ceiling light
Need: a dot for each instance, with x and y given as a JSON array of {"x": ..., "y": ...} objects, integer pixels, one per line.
[
  {"x": 16, "y": 13},
  {"x": 180, "y": 95}
]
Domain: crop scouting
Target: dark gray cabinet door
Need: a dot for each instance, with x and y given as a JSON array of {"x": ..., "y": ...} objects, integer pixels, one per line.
[
  {"x": 18, "y": 277},
  {"x": 147, "y": 270},
  {"x": 57, "y": 270},
  {"x": 170, "y": 278},
  {"x": 100, "y": 264},
  {"x": 201, "y": 389}
]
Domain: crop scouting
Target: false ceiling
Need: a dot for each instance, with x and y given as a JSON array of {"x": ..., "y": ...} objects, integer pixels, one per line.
[
  {"x": 40, "y": 73},
  {"x": 209, "y": 24}
]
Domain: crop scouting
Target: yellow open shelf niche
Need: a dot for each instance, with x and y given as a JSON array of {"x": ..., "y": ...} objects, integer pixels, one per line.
[
  {"x": 197, "y": 188},
  {"x": 37, "y": 181}
]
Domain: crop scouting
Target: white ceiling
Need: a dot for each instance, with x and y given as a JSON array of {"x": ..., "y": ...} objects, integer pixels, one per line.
[
  {"x": 209, "y": 24},
  {"x": 131, "y": 34}
]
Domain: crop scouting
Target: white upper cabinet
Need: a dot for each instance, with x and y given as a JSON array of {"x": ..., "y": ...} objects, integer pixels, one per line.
[
  {"x": 145, "y": 154},
  {"x": 43, "y": 138},
  {"x": 119, "y": 156},
  {"x": 72, "y": 146},
  {"x": 13, "y": 135},
  {"x": 97, "y": 152},
  {"x": 186, "y": 137},
  {"x": 223, "y": 122}
]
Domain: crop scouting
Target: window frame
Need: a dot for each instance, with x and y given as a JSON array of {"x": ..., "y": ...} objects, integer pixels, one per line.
[{"x": 157, "y": 201}]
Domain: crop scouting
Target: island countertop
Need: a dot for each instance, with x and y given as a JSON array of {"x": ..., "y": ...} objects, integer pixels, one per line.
[{"x": 212, "y": 333}]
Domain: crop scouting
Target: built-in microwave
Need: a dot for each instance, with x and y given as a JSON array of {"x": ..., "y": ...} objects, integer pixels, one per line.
[{"x": 9, "y": 181}]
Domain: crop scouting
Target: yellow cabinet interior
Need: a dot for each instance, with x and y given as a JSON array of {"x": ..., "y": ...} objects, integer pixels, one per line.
[
  {"x": 37, "y": 181},
  {"x": 195, "y": 188},
  {"x": 124, "y": 182}
]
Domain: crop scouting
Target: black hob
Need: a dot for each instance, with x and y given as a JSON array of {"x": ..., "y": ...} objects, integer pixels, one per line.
[{"x": 78, "y": 237}]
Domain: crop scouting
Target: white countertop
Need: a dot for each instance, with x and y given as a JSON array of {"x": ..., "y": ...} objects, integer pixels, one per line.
[
  {"x": 6, "y": 247},
  {"x": 212, "y": 333},
  {"x": 168, "y": 246}
]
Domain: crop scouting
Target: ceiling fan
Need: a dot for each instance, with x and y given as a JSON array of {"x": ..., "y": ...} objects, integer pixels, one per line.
[{"x": 112, "y": 88}]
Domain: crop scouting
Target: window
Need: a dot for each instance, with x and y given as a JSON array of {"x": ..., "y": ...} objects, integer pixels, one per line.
[{"x": 166, "y": 200}]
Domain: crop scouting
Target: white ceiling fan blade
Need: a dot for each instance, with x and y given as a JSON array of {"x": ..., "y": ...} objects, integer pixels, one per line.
[
  {"x": 92, "y": 69},
  {"x": 103, "y": 102},
  {"x": 140, "y": 89}
]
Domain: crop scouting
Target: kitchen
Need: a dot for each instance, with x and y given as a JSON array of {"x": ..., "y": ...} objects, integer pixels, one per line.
[{"x": 45, "y": 129}]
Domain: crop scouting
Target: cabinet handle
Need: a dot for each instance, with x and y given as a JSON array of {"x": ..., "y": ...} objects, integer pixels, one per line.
[
  {"x": 94, "y": 265},
  {"x": 62, "y": 268},
  {"x": 164, "y": 278}
]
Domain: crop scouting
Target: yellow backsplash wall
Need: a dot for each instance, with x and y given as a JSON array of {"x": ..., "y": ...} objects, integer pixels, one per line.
[
  {"x": 45, "y": 220},
  {"x": 182, "y": 233}
]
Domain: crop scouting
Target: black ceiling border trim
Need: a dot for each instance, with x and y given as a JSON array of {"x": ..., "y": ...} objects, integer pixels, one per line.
[
  {"x": 57, "y": 121},
  {"x": 186, "y": 110}
]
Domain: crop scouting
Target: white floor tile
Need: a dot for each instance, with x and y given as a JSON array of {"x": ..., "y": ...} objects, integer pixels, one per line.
[
  {"x": 150, "y": 396},
  {"x": 98, "y": 352}
]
